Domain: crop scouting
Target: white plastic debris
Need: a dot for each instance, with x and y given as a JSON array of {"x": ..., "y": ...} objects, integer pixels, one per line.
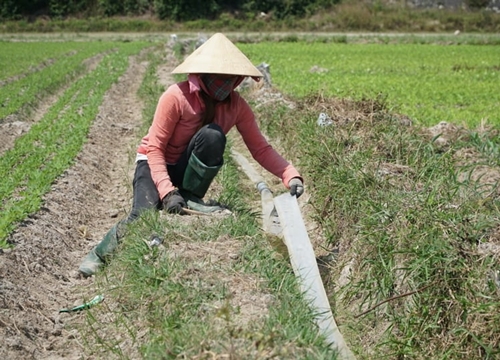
[
  {"x": 324, "y": 120},
  {"x": 155, "y": 241}
]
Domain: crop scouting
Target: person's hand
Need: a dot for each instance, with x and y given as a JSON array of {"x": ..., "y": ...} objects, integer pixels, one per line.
[
  {"x": 296, "y": 187},
  {"x": 174, "y": 203}
]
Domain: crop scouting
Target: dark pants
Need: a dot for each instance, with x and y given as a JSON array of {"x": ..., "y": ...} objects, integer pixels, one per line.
[{"x": 208, "y": 144}]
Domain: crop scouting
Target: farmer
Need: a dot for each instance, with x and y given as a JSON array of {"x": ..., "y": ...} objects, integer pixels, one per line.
[{"x": 183, "y": 150}]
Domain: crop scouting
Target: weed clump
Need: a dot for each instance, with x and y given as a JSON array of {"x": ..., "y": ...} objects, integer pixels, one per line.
[{"x": 411, "y": 215}]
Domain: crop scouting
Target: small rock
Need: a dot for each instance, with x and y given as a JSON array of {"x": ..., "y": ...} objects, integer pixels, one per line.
[{"x": 324, "y": 120}]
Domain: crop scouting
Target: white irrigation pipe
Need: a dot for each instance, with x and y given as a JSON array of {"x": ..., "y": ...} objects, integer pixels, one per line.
[
  {"x": 287, "y": 221},
  {"x": 270, "y": 220},
  {"x": 306, "y": 269}
]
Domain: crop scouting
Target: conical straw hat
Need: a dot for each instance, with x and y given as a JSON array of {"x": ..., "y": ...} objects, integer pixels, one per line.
[{"x": 218, "y": 55}]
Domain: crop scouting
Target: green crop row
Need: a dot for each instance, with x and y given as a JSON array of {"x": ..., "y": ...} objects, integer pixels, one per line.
[
  {"x": 50, "y": 146},
  {"x": 429, "y": 83},
  {"x": 20, "y": 58},
  {"x": 29, "y": 89}
]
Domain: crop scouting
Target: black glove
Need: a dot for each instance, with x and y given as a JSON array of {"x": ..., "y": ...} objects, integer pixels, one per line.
[
  {"x": 174, "y": 203},
  {"x": 296, "y": 187}
]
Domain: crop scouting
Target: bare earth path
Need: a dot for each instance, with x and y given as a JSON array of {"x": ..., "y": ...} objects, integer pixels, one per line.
[{"x": 38, "y": 277}]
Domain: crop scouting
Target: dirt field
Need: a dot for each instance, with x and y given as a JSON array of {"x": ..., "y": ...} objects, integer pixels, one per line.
[{"x": 39, "y": 275}]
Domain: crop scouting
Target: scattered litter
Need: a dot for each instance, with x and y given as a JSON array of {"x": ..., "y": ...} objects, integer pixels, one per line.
[
  {"x": 324, "y": 120},
  {"x": 96, "y": 300},
  {"x": 155, "y": 241}
]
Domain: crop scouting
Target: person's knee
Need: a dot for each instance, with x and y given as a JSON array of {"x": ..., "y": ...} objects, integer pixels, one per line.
[
  {"x": 211, "y": 148},
  {"x": 214, "y": 135}
]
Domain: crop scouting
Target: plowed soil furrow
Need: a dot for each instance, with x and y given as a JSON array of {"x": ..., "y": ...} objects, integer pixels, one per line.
[
  {"x": 16, "y": 125},
  {"x": 39, "y": 276}
]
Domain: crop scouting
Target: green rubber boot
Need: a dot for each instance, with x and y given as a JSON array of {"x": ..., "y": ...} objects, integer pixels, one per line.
[
  {"x": 198, "y": 176},
  {"x": 98, "y": 256}
]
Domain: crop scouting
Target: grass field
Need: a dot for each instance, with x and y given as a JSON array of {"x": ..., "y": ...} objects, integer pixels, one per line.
[{"x": 428, "y": 83}]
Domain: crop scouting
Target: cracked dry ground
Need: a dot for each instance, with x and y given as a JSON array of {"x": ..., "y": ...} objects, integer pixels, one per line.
[{"x": 39, "y": 275}]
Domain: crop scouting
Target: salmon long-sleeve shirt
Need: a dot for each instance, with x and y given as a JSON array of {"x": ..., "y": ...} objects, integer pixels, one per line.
[{"x": 178, "y": 117}]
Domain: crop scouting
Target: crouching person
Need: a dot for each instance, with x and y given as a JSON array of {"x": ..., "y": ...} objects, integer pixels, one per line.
[{"x": 184, "y": 148}]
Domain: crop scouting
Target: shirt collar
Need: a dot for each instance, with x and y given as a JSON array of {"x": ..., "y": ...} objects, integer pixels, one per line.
[{"x": 195, "y": 83}]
